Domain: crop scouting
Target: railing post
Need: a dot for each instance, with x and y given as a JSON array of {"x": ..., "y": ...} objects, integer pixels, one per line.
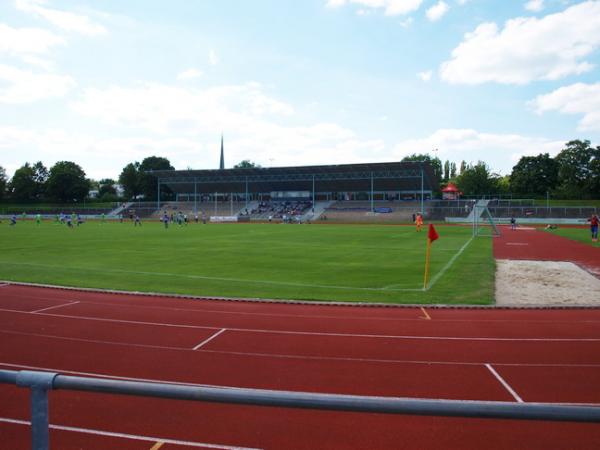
[{"x": 39, "y": 383}]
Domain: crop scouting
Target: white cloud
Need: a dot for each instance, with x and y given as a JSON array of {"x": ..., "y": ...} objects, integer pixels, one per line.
[
  {"x": 390, "y": 7},
  {"x": 437, "y": 11},
  {"x": 534, "y": 5},
  {"x": 527, "y": 49},
  {"x": 256, "y": 126},
  {"x": 165, "y": 108},
  {"x": 425, "y": 76},
  {"x": 212, "y": 58},
  {"x": 27, "y": 41},
  {"x": 406, "y": 22},
  {"x": 65, "y": 20},
  {"x": 22, "y": 86},
  {"x": 579, "y": 98},
  {"x": 462, "y": 2},
  {"x": 189, "y": 74},
  {"x": 499, "y": 151}
]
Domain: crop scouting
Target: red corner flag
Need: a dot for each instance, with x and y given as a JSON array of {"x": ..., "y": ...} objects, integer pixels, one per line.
[{"x": 432, "y": 234}]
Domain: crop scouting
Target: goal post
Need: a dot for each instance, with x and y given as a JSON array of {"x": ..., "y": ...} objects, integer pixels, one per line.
[{"x": 484, "y": 223}]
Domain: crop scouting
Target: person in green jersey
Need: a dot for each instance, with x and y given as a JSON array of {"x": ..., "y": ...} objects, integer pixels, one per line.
[{"x": 38, "y": 218}]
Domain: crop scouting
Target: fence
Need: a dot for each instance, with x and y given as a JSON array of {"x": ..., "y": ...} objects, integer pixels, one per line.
[{"x": 41, "y": 382}]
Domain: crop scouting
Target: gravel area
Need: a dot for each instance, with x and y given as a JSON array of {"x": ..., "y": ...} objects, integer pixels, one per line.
[{"x": 551, "y": 283}]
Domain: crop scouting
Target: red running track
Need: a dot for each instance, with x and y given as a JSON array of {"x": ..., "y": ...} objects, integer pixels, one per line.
[
  {"x": 479, "y": 354},
  {"x": 538, "y": 245}
]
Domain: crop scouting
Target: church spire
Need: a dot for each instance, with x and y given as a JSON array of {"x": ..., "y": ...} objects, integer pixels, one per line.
[{"x": 222, "y": 165}]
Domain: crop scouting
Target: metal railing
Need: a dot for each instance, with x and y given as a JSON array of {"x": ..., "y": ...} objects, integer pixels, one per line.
[{"x": 41, "y": 382}]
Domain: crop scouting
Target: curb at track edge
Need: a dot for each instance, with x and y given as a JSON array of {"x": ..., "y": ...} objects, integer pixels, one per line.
[{"x": 296, "y": 302}]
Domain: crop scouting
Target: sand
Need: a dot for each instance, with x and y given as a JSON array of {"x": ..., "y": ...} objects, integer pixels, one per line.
[{"x": 545, "y": 283}]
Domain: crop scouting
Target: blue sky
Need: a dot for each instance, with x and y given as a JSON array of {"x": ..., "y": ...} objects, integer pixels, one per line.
[{"x": 295, "y": 82}]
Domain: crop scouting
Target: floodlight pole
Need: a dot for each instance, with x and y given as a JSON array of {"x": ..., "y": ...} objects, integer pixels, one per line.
[
  {"x": 246, "y": 192},
  {"x": 313, "y": 193},
  {"x": 195, "y": 195},
  {"x": 422, "y": 188},
  {"x": 372, "y": 208},
  {"x": 158, "y": 194}
]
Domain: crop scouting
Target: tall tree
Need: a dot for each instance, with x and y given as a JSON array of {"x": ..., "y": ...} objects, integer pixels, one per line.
[
  {"x": 246, "y": 164},
  {"x": 446, "y": 171},
  {"x": 453, "y": 170},
  {"x": 593, "y": 185},
  {"x": 130, "y": 180},
  {"x": 3, "y": 182},
  {"x": 23, "y": 186},
  {"x": 40, "y": 176},
  {"x": 148, "y": 181},
  {"x": 535, "y": 175},
  {"x": 575, "y": 169},
  {"x": 463, "y": 167},
  {"x": 478, "y": 180},
  {"x": 67, "y": 182},
  {"x": 436, "y": 163},
  {"x": 107, "y": 188}
]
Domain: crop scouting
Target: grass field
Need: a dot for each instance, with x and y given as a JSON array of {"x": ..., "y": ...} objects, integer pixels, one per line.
[
  {"x": 313, "y": 262},
  {"x": 577, "y": 234}
]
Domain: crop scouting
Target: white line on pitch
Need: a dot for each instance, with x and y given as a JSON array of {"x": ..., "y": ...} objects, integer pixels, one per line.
[
  {"x": 134, "y": 437},
  {"x": 448, "y": 265},
  {"x": 202, "y": 277},
  {"x": 505, "y": 384},
  {"x": 210, "y": 338},
  {"x": 314, "y": 333},
  {"x": 52, "y": 307}
]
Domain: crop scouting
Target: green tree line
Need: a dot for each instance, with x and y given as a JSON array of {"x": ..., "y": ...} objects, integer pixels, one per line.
[{"x": 573, "y": 173}]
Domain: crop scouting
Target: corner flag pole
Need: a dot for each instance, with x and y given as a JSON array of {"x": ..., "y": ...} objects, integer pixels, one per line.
[{"x": 431, "y": 236}]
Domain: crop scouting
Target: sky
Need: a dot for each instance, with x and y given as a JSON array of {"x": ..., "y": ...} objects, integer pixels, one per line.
[{"x": 295, "y": 82}]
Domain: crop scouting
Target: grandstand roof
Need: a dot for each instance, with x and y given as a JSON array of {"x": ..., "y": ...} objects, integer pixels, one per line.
[{"x": 351, "y": 177}]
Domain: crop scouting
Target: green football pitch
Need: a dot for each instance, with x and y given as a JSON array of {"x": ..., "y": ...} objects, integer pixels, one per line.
[{"x": 309, "y": 262}]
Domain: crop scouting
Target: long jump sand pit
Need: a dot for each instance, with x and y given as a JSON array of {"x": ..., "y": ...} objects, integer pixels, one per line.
[{"x": 539, "y": 283}]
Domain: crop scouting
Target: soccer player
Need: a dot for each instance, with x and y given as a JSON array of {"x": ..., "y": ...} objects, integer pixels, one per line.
[
  {"x": 38, "y": 218},
  {"x": 13, "y": 220},
  {"x": 79, "y": 220},
  {"x": 137, "y": 221},
  {"x": 419, "y": 221},
  {"x": 513, "y": 223},
  {"x": 165, "y": 219},
  {"x": 594, "y": 227}
]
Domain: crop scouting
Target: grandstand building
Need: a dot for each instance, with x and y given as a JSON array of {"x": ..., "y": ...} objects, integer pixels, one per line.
[{"x": 375, "y": 182}]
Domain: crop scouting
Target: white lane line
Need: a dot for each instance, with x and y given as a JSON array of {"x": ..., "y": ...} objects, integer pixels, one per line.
[
  {"x": 4, "y": 285},
  {"x": 209, "y": 339},
  {"x": 306, "y": 357},
  {"x": 310, "y": 316},
  {"x": 448, "y": 265},
  {"x": 505, "y": 384},
  {"x": 313, "y": 333},
  {"x": 427, "y": 316},
  {"x": 151, "y": 380},
  {"x": 52, "y": 307},
  {"x": 134, "y": 437},
  {"x": 517, "y": 243},
  {"x": 202, "y": 277}
]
